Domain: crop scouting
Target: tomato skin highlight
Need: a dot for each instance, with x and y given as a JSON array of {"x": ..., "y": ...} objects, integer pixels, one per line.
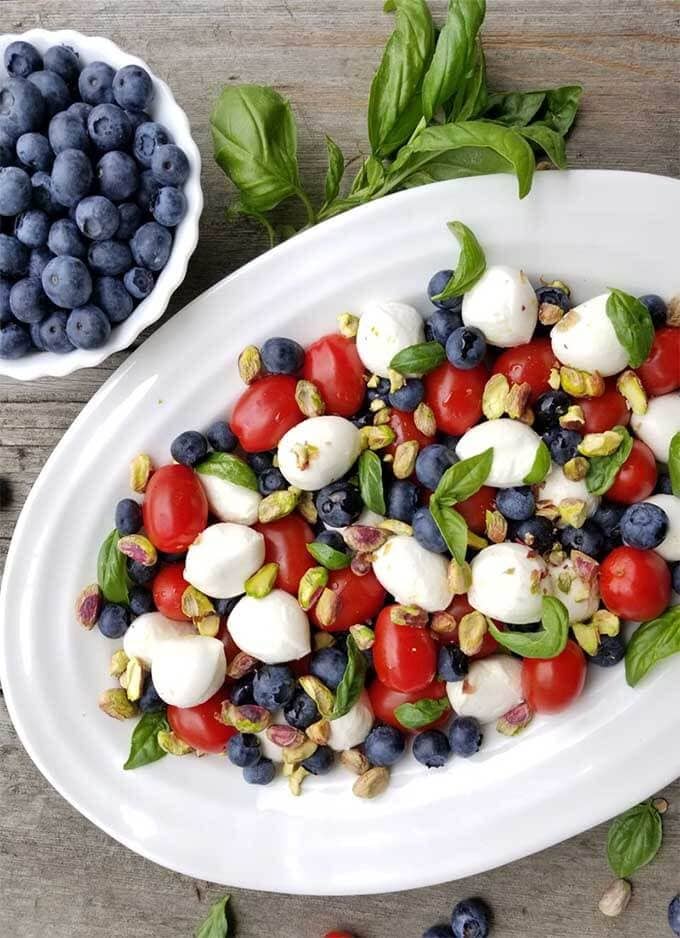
[
  {"x": 603, "y": 413},
  {"x": 265, "y": 411},
  {"x": 198, "y": 727},
  {"x": 360, "y": 598},
  {"x": 405, "y": 429},
  {"x": 635, "y": 584},
  {"x": 474, "y": 508},
  {"x": 384, "y": 702},
  {"x": 332, "y": 363},
  {"x": 404, "y": 657},
  {"x": 285, "y": 542},
  {"x": 531, "y": 363},
  {"x": 175, "y": 508},
  {"x": 455, "y": 396},
  {"x": 636, "y": 478},
  {"x": 552, "y": 684},
  {"x": 168, "y": 587},
  {"x": 660, "y": 373}
]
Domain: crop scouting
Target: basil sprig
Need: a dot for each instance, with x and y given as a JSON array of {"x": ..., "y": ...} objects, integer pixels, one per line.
[
  {"x": 603, "y": 469},
  {"x": 674, "y": 463},
  {"x": 634, "y": 839},
  {"x": 548, "y": 643},
  {"x": 454, "y": 54},
  {"x": 452, "y": 527},
  {"x": 419, "y": 359},
  {"x": 350, "y": 687},
  {"x": 540, "y": 467},
  {"x": 216, "y": 925},
  {"x": 632, "y": 324},
  {"x": 459, "y": 482},
  {"x": 471, "y": 263},
  {"x": 112, "y": 570},
  {"x": 144, "y": 747},
  {"x": 328, "y": 556},
  {"x": 651, "y": 643},
  {"x": 416, "y": 715},
  {"x": 228, "y": 468},
  {"x": 371, "y": 481}
]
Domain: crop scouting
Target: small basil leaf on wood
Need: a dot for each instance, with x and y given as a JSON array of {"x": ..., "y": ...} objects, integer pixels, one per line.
[
  {"x": 144, "y": 747},
  {"x": 548, "y": 643},
  {"x": 350, "y": 687},
  {"x": 471, "y": 98},
  {"x": 561, "y": 107},
  {"x": 674, "y": 464},
  {"x": 228, "y": 468},
  {"x": 603, "y": 469},
  {"x": 419, "y": 359},
  {"x": 470, "y": 266},
  {"x": 464, "y": 478},
  {"x": 420, "y": 713},
  {"x": 549, "y": 140},
  {"x": 371, "y": 481},
  {"x": 651, "y": 643},
  {"x": 634, "y": 839},
  {"x": 452, "y": 527},
  {"x": 216, "y": 925},
  {"x": 454, "y": 51},
  {"x": 112, "y": 570},
  {"x": 541, "y": 466},
  {"x": 335, "y": 171},
  {"x": 514, "y": 108},
  {"x": 328, "y": 556},
  {"x": 632, "y": 324}
]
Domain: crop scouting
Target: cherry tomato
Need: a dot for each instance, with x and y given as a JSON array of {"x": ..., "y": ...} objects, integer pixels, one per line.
[
  {"x": 333, "y": 364},
  {"x": 265, "y": 411},
  {"x": 404, "y": 426},
  {"x": 474, "y": 508},
  {"x": 175, "y": 508},
  {"x": 360, "y": 598},
  {"x": 660, "y": 374},
  {"x": 531, "y": 363},
  {"x": 285, "y": 545},
  {"x": 552, "y": 684},
  {"x": 404, "y": 657},
  {"x": 385, "y": 701},
  {"x": 458, "y": 608},
  {"x": 635, "y": 584},
  {"x": 301, "y": 666},
  {"x": 167, "y": 588},
  {"x": 636, "y": 478},
  {"x": 455, "y": 397},
  {"x": 199, "y": 727},
  {"x": 603, "y": 413},
  {"x": 339, "y": 934}
]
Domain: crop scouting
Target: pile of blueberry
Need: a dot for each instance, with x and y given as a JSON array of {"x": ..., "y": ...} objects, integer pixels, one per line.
[{"x": 90, "y": 190}]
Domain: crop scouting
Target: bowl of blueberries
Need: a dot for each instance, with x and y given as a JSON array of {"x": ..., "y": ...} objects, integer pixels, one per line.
[{"x": 100, "y": 199}]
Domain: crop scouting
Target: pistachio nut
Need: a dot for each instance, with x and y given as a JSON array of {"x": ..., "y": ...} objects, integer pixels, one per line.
[
  {"x": 574, "y": 419},
  {"x": 528, "y": 417},
  {"x": 471, "y": 631},
  {"x": 581, "y": 383},
  {"x": 606, "y": 622},
  {"x": 576, "y": 469},
  {"x": 495, "y": 394},
  {"x": 278, "y": 505},
  {"x": 88, "y": 606},
  {"x": 348, "y": 325},
  {"x": 287, "y": 769},
  {"x": 558, "y": 284},
  {"x": 299, "y": 753},
  {"x": 361, "y": 564},
  {"x": 397, "y": 380},
  {"x": 517, "y": 400},
  {"x": 615, "y": 898},
  {"x": 573, "y": 512},
  {"x": 673, "y": 312},
  {"x": 250, "y": 365},
  {"x": 459, "y": 577},
  {"x": 600, "y": 444},
  {"x": 311, "y": 584},
  {"x": 382, "y": 417},
  {"x": 564, "y": 581},
  {"x": 141, "y": 468},
  {"x": 424, "y": 419},
  {"x": 475, "y": 541},
  {"x": 554, "y": 379},
  {"x": 307, "y": 507},
  {"x": 412, "y": 616},
  {"x": 287, "y": 737},
  {"x": 363, "y": 635},
  {"x": 404, "y": 461},
  {"x": 327, "y": 607},
  {"x": 629, "y": 386},
  {"x": 240, "y": 665},
  {"x": 546, "y": 509},
  {"x": 119, "y": 662},
  {"x": 304, "y": 453},
  {"x": 322, "y": 640},
  {"x": 247, "y": 718},
  {"x": 138, "y": 548},
  {"x": 373, "y": 382},
  {"x": 309, "y": 400},
  {"x": 396, "y": 527},
  {"x": 586, "y": 567},
  {"x": 196, "y": 604},
  {"x": 549, "y": 314},
  {"x": 171, "y": 743},
  {"x": 496, "y": 527},
  {"x": 319, "y": 732},
  {"x": 134, "y": 683},
  {"x": 587, "y": 637},
  {"x": 372, "y": 783},
  {"x": 115, "y": 703},
  {"x": 535, "y": 580},
  {"x": 515, "y": 720},
  {"x": 443, "y": 623},
  {"x": 295, "y": 780},
  {"x": 387, "y": 458},
  {"x": 376, "y": 437},
  {"x": 261, "y": 583},
  {"x": 580, "y": 591},
  {"x": 556, "y": 557},
  {"x": 377, "y": 404},
  {"x": 208, "y": 625},
  {"x": 320, "y": 694},
  {"x": 363, "y": 537},
  {"x": 355, "y": 761}
]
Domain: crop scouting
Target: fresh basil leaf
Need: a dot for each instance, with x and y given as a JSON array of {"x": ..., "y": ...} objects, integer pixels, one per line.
[
  {"x": 112, "y": 570},
  {"x": 394, "y": 105},
  {"x": 416, "y": 715},
  {"x": 419, "y": 359},
  {"x": 144, "y": 747},
  {"x": 541, "y": 466},
  {"x": 350, "y": 687},
  {"x": 548, "y": 643},
  {"x": 370, "y": 177},
  {"x": 674, "y": 463},
  {"x": 371, "y": 481},
  {"x": 632, "y": 324},
  {"x": 470, "y": 266},
  {"x": 216, "y": 925},
  {"x": 464, "y": 478},
  {"x": 458, "y": 164},
  {"x": 328, "y": 556},
  {"x": 561, "y": 107},
  {"x": 471, "y": 99},
  {"x": 452, "y": 527},
  {"x": 335, "y": 171},
  {"x": 634, "y": 839},
  {"x": 454, "y": 52},
  {"x": 651, "y": 643},
  {"x": 228, "y": 468},
  {"x": 549, "y": 140},
  {"x": 514, "y": 108},
  {"x": 602, "y": 469}
]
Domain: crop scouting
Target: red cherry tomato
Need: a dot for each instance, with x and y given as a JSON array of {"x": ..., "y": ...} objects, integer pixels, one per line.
[
  {"x": 265, "y": 411},
  {"x": 385, "y": 701},
  {"x": 167, "y": 588},
  {"x": 198, "y": 727},
  {"x": 175, "y": 508},
  {"x": 405, "y": 429},
  {"x": 474, "y": 508},
  {"x": 404, "y": 657},
  {"x": 333, "y": 364},
  {"x": 636, "y": 478},
  {"x": 458, "y": 608},
  {"x": 360, "y": 598},
  {"x": 301, "y": 666},
  {"x": 285, "y": 545},
  {"x": 455, "y": 396},
  {"x": 531, "y": 363},
  {"x": 660, "y": 374},
  {"x": 635, "y": 584},
  {"x": 603, "y": 413},
  {"x": 552, "y": 684},
  {"x": 339, "y": 934}
]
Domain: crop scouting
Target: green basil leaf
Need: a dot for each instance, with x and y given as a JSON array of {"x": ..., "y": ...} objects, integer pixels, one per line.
[
  {"x": 144, "y": 747},
  {"x": 255, "y": 144},
  {"x": 471, "y": 263},
  {"x": 216, "y": 925},
  {"x": 394, "y": 104},
  {"x": 414, "y": 716},
  {"x": 112, "y": 570},
  {"x": 549, "y": 140},
  {"x": 472, "y": 97},
  {"x": 464, "y": 478},
  {"x": 452, "y": 527},
  {"x": 514, "y": 108},
  {"x": 350, "y": 687},
  {"x": 370, "y": 177},
  {"x": 674, "y": 463},
  {"x": 371, "y": 481},
  {"x": 541, "y": 466},
  {"x": 458, "y": 164},
  {"x": 335, "y": 171},
  {"x": 561, "y": 107},
  {"x": 228, "y": 468},
  {"x": 634, "y": 839},
  {"x": 602, "y": 469},
  {"x": 328, "y": 556},
  {"x": 632, "y": 324},
  {"x": 548, "y": 643},
  {"x": 454, "y": 52},
  {"x": 419, "y": 359},
  {"x": 651, "y": 643}
]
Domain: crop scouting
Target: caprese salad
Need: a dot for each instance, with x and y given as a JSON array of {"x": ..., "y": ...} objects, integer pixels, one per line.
[{"x": 413, "y": 528}]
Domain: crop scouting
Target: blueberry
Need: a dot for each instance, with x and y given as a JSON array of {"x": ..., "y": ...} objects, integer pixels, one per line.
[
  {"x": 427, "y": 533},
  {"x": 130, "y": 219},
  {"x": 13, "y": 256},
  {"x": 7, "y": 154},
  {"x": 262, "y": 773},
  {"x": 271, "y": 480},
  {"x": 282, "y": 356},
  {"x": 28, "y": 302},
  {"x": 21, "y": 109},
  {"x": 657, "y": 309},
  {"x": 549, "y": 408},
  {"x": 241, "y": 691},
  {"x": 53, "y": 333},
  {"x": 432, "y": 462},
  {"x": 329, "y": 664},
  {"x": 97, "y": 217},
  {"x": 132, "y": 87},
  {"x": 258, "y": 462},
  {"x": 109, "y": 127},
  {"x": 81, "y": 110},
  {"x": 643, "y": 525},
  {"x": 675, "y": 573},
  {"x": 32, "y": 228},
  {"x": 141, "y": 601},
  {"x": 169, "y": 165},
  {"x": 452, "y": 663},
  {"x": 301, "y": 711},
  {"x": 54, "y": 90},
  {"x": 5, "y": 309},
  {"x": 67, "y": 282},
  {"x": 114, "y": 620},
  {"x": 65, "y": 238},
  {"x": 110, "y": 295},
  {"x": 109, "y": 258},
  {"x": 555, "y": 296},
  {"x": 589, "y": 539},
  {"x": 88, "y": 327},
  {"x": 381, "y": 392},
  {"x": 147, "y": 138},
  {"x": 408, "y": 397},
  {"x": 384, "y": 745},
  {"x": 339, "y": 504},
  {"x": 438, "y": 931},
  {"x": 431, "y": 749},
  {"x": 332, "y": 539},
  {"x": 34, "y": 151},
  {"x": 147, "y": 191},
  {"x": 244, "y": 749},
  {"x": 273, "y": 686},
  {"x": 611, "y": 650},
  {"x": 38, "y": 260},
  {"x": 437, "y": 284},
  {"x": 220, "y": 435},
  {"x": 21, "y": 59},
  {"x": 118, "y": 176},
  {"x": 663, "y": 484},
  {"x": 537, "y": 533},
  {"x": 320, "y": 762},
  {"x": 65, "y": 62},
  {"x": 465, "y": 736},
  {"x": 141, "y": 574},
  {"x": 43, "y": 194},
  {"x": 223, "y": 607},
  {"x": 67, "y": 132},
  {"x": 441, "y": 324},
  {"x": 95, "y": 83},
  {"x": 189, "y": 448},
  {"x": 71, "y": 177},
  {"x": 15, "y": 342},
  {"x": 169, "y": 206},
  {"x": 608, "y": 518},
  {"x": 151, "y": 246},
  {"x": 470, "y": 919},
  {"x": 15, "y": 190},
  {"x": 466, "y": 347},
  {"x": 562, "y": 444},
  {"x": 516, "y": 504},
  {"x": 402, "y": 500},
  {"x": 137, "y": 117},
  {"x": 34, "y": 330},
  {"x": 674, "y": 914},
  {"x": 150, "y": 702}
]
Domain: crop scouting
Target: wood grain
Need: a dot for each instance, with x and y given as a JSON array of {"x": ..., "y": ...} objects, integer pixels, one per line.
[{"x": 59, "y": 876}]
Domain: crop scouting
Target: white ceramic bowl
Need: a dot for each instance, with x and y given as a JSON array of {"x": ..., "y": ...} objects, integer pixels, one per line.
[{"x": 164, "y": 109}]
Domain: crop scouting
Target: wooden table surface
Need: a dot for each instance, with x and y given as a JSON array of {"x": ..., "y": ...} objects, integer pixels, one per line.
[{"x": 60, "y": 876}]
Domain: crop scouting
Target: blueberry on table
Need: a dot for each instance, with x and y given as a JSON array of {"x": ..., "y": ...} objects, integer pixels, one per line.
[
  {"x": 589, "y": 539},
  {"x": 273, "y": 686},
  {"x": 549, "y": 408},
  {"x": 22, "y": 109},
  {"x": 329, "y": 664},
  {"x": 43, "y": 194},
  {"x": 141, "y": 601},
  {"x": 65, "y": 238},
  {"x": 517, "y": 504},
  {"x": 452, "y": 663},
  {"x": 15, "y": 342},
  {"x": 301, "y": 711},
  {"x": 466, "y": 347},
  {"x": 427, "y": 533},
  {"x": 13, "y": 256},
  {"x": 189, "y": 448},
  {"x": 150, "y": 702},
  {"x": 409, "y": 396},
  {"x": 97, "y": 217},
  {"x": 441, "y": 324},
  {"x": 67, "y": 282},
  {"x": 71, "y": 177},
  {"x": 109, "y": 294},
  {"x": 109, "y": 127},
  {"x": 88, "y": 327},
  {"x": 147, "y": 190},
  {"x": 537, "y": 533},
  {"x": 674, "y": 914},
  {"x": 132, "y": 87},
  {"x": 611, "y": 650},
  {"x": 219, "y": 434},
  {"x": 282, "y": 356},
  {"x": 465, "y": 736},
  {"x": 644, "y": 526},
  {"x": 15, "y": 190},
  {"x": 339, "y": 504},
  {"x": 21, "y": 59},
  {"x": 147, "y": 137},
  {"x": 118, "y": 177},
  {"x": 431, "y": 749},
  {"x": 432, "y": 462},
  {"x": 261, "y": 773},
  {"x": 271, "y": 480},
  {"x": 384, "y": 745},
  {"x": 65, "y": 62},
  {"x": 28, "y": 301},
  {"x": 53, "y": 333},
  {"x": 402, "y": 500},
  {"x": 130, "y": 217},
  {"x": 95, "y": 83},
  {"x": 34, "y": 151},
  {"x": 32, "y": 227},
  {"x": 169, "y": 165},
  {"x": 151, "y": 246},
  {"x": 563, "y": 444},
  {"x": 54, "y": 90},
  {"x": 241, "y": 691},
  {"x": 657, "y": 309},
  {"x": 243, "y": 749},
  {"x": 436, "y": 286},
  {"x": 109, "y": 258},
  {"x": 438, "y": 931},
  {"x": 114, "y": 620},
  {"x": 67, "y": 131},
  {"x": 320, "y": 762},
  {"x": 169, "y": 206},
  {"x": 470, "y": 919}
]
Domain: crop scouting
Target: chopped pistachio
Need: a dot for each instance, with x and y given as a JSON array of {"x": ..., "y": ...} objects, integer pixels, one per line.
[
  {"x": 322, "y": 640},
  {"x": 471, "y": 631},
  {"x": 673, "y": 312},
  {"x": 405, "y": 459},
  {"x": 134, "y": 683},
  {"x": 364, "y": 537},
  {"x": 443, "y": 623},
  {"x": 587, "y": 637},
  {"x": 573, "y": 512},
  {"x": 376, "y": 437},
  {"x": 355, "y": 761},
  {"x": 363, "y": 635},
  {"x": 250, "y": 364},
  {"x": 208, "y": 625},
  {"x": 546, "y": 509},
  {"x": 600, "y": 444},
  {"x": 88, "y": 606},
  {"x": 311, "y": 584},
  {"x": 141, "y": 468},
  {"x": 287, "y": 769},
  {"x": 376, "y": 405},
  {"x": 564, "y": 581},
  {"x": 554, "y": 379},
  {"x": 606, "y": 622},
  {"x": 517, "y": 400},
  {"x": 327, "y": 607},
  {"x": 304, "y": 453},
  {"x": 495, "y": 394},
  {"x": 373, "y": 382},
  {"x": 307, "y": 507},
  {"x": 309, "y": 400},
  {"x": 296, "y": 779},
  {"x": 115, "y": 703},
  {"x": 630, "y": 387},
  {"x": 285, "y": 736},
  {"x": 576, "y": 468},
  {"x": 496, "y": 527},
  {"x": 138, "y": 548},
  {"x": 278, "y": 505},
  {"x": 320, "y": 694},
  {"x": 261, "y": 583},
  {"x": 423, "y": 417},
  {"x": 528, "y": 417},
  {"x": 556, "y": 557},
  {"x": 459, "y": 577},
  {"x": 397, "y": 380},
  {"x": 372, "y": 783},
  {"x": 196, "y": 604},
  {"x": 299, "y": 753},
  {"x": 515, "y": 720},
  {"x": 240, "y": 665},
  {"x": 319, "y": 732},
  {"x": 558, "y": 284},
  {"x": 383, "y": 417},
  {"x": 549, "y": 314},
  {"x": 581, "y": 383},
  {"x": 248, "y": 718},
  {"x": 574, "y": 419},
  {"x": 119, "y": 662},
  {"x": 172, "y": 744},
  {"x": 396, "y": 527},
  {"x": 412, "y": 616},
  {"x": 615, "y": 899},
  {"x": 348, "y": 325}
]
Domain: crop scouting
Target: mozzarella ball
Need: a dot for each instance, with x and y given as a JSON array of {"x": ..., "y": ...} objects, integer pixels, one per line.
[
  {"x": 148, "y": 631},
  {"x": 385, "y": 329},
  {"x": 492, "y": 687},
  {"x": 318, "y": 451},
  {"x": 352, "y": 729},
  {"x": 669, "y": 548},
  {"x": 222, "y": 558},
  {"x": 514, "y": 449},
  {"x": 230, "y": 502},
  {"x": 502, "y": 305},
  {"x": 188, "y": 671},
  {"x": 413, "y": 575},
  {"x": 585, "y": 339},
  {"x": 273, "y": 629},
  {"x": 508, "y": 583},
  {"x": 659, "y": 425},
  {"x": 580, "y": 599},
  {"x": 557, "y": 487}
]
